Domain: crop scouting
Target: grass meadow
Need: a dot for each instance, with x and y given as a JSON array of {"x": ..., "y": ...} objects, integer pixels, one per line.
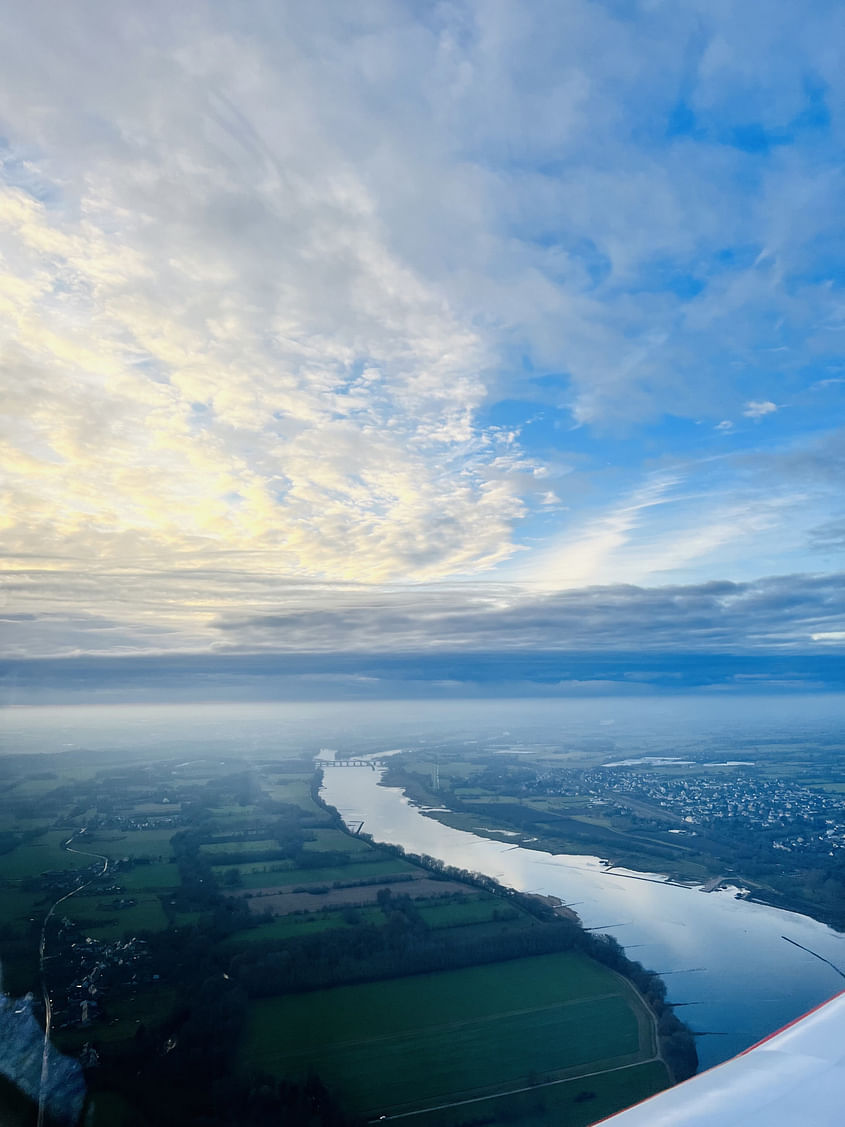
[{"x": 415, "y": 1042}]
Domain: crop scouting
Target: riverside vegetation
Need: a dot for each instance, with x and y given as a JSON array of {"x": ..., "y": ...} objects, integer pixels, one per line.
[{"x": 244, "y": 959}]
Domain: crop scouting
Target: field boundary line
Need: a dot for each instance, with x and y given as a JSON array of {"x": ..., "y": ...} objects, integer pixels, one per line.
[
  {"x": 460, "y": 1023},
  {"x": 516, "y": 1091}
]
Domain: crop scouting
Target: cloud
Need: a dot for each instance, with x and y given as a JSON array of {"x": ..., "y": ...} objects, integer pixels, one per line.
[
  {"x": 206, "y": 612},
  {"x": 216, "y": 345},
  {"x": 583, "y": 554},
  {"x": 684, "y": 524},
  {"x": 757, "y": 408},
  {"x": 829, "y": 537},
  {"x": 276, "y": 280},
  {"x": 174, "y": 436},
  {"x": 769, "y": 614}
]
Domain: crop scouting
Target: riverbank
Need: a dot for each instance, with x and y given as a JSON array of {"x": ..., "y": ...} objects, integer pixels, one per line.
[
  {"x": 685, "y": 856},
  {"x": 713, "y": 950}
]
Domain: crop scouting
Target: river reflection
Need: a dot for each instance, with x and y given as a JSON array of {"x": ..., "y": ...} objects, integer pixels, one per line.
[{"x": 724, "y": 957}]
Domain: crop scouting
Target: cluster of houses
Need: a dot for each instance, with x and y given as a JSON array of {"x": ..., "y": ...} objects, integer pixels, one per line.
[
  {"x": 98, "y": 967},
  {"x": 125, "y": 822},
  {"x": 794, "y": 816}
]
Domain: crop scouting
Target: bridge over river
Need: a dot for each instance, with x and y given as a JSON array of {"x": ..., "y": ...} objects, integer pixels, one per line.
[{"x": 374, "y": 763}]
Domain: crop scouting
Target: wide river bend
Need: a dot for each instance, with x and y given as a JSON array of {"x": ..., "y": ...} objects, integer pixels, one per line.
[{"x": 726, "y": 958}]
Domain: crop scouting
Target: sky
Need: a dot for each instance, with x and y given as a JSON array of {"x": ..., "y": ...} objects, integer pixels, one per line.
[{"x": 417, "y": 327}]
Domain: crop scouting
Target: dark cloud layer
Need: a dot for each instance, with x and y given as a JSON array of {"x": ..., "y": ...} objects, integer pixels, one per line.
[
  {"x": 797, "y": 613},
  {"x": 784, "y": 612},
  {"x": 385, "y": 676},
  {"x": 783, "y": 633}
]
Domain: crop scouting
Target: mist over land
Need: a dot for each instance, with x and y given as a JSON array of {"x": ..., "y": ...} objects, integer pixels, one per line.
[{"x": 655, "y": 726}]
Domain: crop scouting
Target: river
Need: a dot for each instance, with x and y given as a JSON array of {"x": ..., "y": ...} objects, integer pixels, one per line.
[{"x": 725, "y": 958}]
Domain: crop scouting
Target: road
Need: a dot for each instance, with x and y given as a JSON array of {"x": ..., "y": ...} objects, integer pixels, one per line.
[{"x": 42, "y": 958}]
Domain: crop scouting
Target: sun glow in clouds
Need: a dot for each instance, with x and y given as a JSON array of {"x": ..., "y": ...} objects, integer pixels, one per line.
[{"x": 364, "y": 300}]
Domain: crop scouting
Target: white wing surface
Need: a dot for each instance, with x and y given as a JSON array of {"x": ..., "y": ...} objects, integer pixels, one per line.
[{"x": 796, "y": 1076}]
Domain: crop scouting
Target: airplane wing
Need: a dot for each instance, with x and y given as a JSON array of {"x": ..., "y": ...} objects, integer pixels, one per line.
[{"x": 795, "y": 1076}]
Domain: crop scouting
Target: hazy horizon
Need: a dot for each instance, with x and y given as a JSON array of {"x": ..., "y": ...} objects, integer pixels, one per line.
[{"x": 241, "y": 728}]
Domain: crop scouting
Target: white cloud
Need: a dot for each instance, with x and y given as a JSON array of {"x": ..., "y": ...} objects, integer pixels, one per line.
[
  {"x": 594, "y": 552},
  {"x": 757, "y": 408},
  {"x": 263, "y": 269},
  {"x": 200, "y": 367}
]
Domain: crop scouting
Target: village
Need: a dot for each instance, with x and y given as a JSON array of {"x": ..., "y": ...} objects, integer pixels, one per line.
[{"x": 794, "y": 817}]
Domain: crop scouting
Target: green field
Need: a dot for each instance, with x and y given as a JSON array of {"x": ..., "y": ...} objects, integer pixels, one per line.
[
  {"x": 186, "y": 919},
  {"x": 569, "y": 1103},
  {"x": 104, "y": 922},
  {"x": 267, "y": 875},
  {"x": 37, "y": 788},
  {"x": 307, "y": 923},
  {"x": 361, "y": 870},
  {"x": 17, "y": 907},
  {"x": 132, "y": 843},
  {"x": 245, "y": 814},
  {"x": 251, "y": 845},
  {"x": 42, "y": 855},
  {"x": 272, "y": 871},
  {"x": 295, "y": 789},
  {"x": 155, "y": 876},
  {"x": 459, "y": 913},
  {"x": 406, "y": 1043},
  {"x": 339, "y": 841}
]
